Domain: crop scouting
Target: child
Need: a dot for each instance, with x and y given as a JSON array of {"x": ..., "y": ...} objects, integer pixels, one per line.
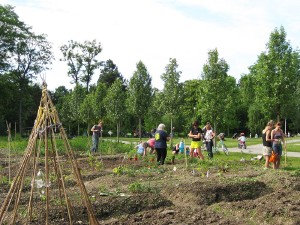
[
  {"x": 175, "y": 151},
  {"x": 187, "y": 150},
  {"x": 242, "y": 141},
  {"x": 141, "y": 148}
]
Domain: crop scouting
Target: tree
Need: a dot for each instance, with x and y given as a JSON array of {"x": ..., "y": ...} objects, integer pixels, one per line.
[
  {"x": 98, "y": 105},
  {"x": 23, "y": 54},
  {"x": 11, "y": 30},
  {"x": 72, "y": 56},
  {"x": 109, "y": 73},
  {"x": 276, "y": 75},
  {"x": 215, "y": 89},
  {"x": 82, "y": 60},
  {"x": 90, "y": 51},
  {"x": 171, "y": 95},
  {"x": 77, "y": 97},
  {"x": 32, "y": 56},
  {"x": 139, "y": 93},
  {"x": 115, "y": 104},
  {"x": 87, "y": 112}
]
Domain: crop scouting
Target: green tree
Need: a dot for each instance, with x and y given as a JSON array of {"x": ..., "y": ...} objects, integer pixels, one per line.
[
  {"x": 109, "y": 73},
  {"x": 139, "y": 93},
  {"x": 172, "y": 94},
  {"x": 87, "y": 112},
  {"x": 72, "y": 56},
  {"x": 77, "y": 98},
  {"x": 115, "y": 104},
  {"x": 276, "y": 75},
  {"x": 32, "y": 56},
  {"x": 215, "y": 89},
  {"x": 98, "y": 105},
  {"x": 82, "y": 60},
  {"x": 90, "y": 51},
  {"x": 11, "y": 31}
]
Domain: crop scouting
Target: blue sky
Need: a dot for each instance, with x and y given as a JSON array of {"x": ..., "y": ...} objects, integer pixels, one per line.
[{"x": 155, "y": 30}]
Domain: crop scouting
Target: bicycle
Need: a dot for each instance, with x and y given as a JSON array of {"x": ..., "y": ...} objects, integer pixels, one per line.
[{"x": 221, "y": 145}]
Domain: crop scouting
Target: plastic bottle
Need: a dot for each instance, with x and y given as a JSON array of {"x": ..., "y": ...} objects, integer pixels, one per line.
[{"x": 40, "y": 183}]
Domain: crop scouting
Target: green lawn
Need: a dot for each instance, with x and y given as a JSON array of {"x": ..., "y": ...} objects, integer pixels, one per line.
[{"x": 82, "y": 144}]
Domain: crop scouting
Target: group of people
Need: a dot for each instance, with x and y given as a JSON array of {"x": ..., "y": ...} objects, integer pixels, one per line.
[
  {"x": 272, "y": 137},
  {"x": 159, "y": 143}
]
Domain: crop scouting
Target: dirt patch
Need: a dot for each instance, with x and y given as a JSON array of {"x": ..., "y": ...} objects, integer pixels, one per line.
[{"x": 125, "y": 191}]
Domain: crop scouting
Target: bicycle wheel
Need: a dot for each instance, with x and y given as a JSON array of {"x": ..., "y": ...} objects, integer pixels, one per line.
[{"x": 225, "y": 149}]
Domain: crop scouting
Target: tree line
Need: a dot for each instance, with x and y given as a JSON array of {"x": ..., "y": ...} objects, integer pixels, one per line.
[{"x": 270, "y": 89}]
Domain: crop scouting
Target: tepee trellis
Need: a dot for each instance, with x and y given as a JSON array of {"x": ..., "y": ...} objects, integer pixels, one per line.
[{"x": 42, "y": 137}]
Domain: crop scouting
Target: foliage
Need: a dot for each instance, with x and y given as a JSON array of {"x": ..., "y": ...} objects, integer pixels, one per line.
[
  {"x": 139, "y": 93},
  {"x": 217, "y": 90},
  {"x": 82, "y": 60},
  {"x": 276, "y": 75},
  {"x": 115, "y": 104}
]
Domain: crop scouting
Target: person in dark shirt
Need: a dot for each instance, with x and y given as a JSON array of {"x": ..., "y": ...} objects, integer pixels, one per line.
[
  {"x": 195, "y": 134},
  {"x": 161, "y": 138},
  {"x": 97, "y": 130}
]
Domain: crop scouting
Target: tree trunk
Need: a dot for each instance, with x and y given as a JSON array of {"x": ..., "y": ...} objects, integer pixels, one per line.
[
  {"x": 140, "y": 128},
  {"x": 20, "y": 114}
]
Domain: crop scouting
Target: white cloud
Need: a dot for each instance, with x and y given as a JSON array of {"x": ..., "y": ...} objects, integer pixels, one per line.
[{"x": 154, "y": 31}]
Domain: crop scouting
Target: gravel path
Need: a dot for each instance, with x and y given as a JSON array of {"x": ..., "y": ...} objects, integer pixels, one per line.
[{"x": 257, "y": 149}]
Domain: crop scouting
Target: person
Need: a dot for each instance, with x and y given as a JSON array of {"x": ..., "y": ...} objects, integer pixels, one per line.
[
  {"x": 161, "y": 138},
  {"x": 242, "y": 141},
  {"x": 195, "y": 134},
  {"x": 175, "y": 151},
  {"x": 181, "y": 146},
  {"x": 209, "y": 135},
  {"x": 153, "y": 132},
  {"x": 141, "y": 148},
  {"x": 97, "y": 131},
  {"x": 151, "y": 145},
  {"x": 278, "y": 137},
  {"x": 187, "y": 150},
  {"x": 267, "y": 142}
]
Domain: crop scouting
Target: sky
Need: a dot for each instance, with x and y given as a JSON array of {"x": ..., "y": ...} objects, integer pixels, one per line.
[{"x": 153, "y": 31}]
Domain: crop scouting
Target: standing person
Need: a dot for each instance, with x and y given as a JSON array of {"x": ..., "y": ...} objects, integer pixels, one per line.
[
  {"x": 161, "y": 138},
  {"x": 267, "y": 142},
  {"x": 278, "y": 137},
  {"x": 97, "y": 130},
  {"x": 209, "y": 135},
  {"x": 195, "y": 134}
]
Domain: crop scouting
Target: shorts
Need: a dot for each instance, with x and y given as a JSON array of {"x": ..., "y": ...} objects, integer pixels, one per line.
[
  {"x": 195, "y": 144},
  {"x": 267, "y": 150},
  {"x": 277, "y": 149}
]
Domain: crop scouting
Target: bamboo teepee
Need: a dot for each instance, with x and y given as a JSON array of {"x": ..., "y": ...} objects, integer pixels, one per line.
[{"x": 45, "y": 199}]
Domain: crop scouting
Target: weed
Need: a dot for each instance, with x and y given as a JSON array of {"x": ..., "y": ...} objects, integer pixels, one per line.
[
  {"x": 120, "y": 170},
  {"x": 4, "y": 180}
]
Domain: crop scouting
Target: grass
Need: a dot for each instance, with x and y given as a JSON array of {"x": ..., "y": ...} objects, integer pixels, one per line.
[{"x": 109, "y": 146}]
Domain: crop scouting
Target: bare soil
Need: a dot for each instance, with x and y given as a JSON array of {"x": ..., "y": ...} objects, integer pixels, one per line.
[{"x": 125, "y": 191}]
